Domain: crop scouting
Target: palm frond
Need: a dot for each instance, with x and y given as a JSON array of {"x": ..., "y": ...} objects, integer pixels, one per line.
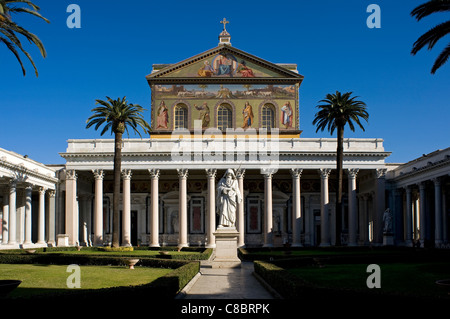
[
  {"x": 117, "y": 114},
  {"x": 338, "y": 110},
  {"x": 430, "y": 7},
  {"x": 431, "y": 37},
  {"x": 441, "y": 59}
]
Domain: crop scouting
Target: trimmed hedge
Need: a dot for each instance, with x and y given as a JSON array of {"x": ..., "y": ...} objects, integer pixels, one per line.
[
  {"x": 68, "y": 259},
  {"x": 204, "y": 253},
  {"x": 282, "y": 281},
  {"x": 162, "y": 288}
]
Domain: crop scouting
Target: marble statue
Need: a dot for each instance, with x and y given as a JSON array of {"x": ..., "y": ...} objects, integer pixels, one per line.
[
  {"x": 387, "y": 219},
  {"x": 228, "y": 196}
]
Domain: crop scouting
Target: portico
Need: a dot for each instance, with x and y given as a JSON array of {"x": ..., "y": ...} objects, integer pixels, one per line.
[
  {"x": 419, "y": 193},
  {"x": 174, "y": 200},
  {"x": 28, "y": 201}
]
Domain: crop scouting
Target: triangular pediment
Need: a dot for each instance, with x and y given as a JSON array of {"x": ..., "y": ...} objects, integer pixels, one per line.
[{"x": 224, "y": 62}]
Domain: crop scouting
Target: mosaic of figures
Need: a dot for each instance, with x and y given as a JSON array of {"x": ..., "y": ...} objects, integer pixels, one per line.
[
  {"x": 223, "y": 65},
  {"x": 247, "y": 103},
  {"x": 220, "y": 91}
]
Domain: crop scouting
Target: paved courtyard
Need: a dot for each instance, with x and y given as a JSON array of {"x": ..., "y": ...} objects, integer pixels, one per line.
[{"x": 227, "y": 283}]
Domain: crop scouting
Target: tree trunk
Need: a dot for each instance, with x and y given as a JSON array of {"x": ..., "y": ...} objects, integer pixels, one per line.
[
  {"x": 340, "y": 173},
  {"x": 116, "y": 194}
]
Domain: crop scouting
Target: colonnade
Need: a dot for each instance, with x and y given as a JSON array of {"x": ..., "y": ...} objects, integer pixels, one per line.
[
  {"x": 210, "y": 174},
  {"x": 424, "y": 215},
  {"x": 17, "y": 230}
]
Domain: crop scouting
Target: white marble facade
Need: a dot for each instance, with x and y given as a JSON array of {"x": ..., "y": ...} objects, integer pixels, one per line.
[
  {"x": 28, "y": 194},
  {"x": 165, "y": 198}
]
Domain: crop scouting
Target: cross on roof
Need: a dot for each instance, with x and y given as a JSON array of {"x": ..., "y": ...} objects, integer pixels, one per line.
[{"x": 224, "y": 22}]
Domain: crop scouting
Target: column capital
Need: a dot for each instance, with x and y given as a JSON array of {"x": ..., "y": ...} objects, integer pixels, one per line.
[
  {"x": 154, "y": 173},
  {"x": 51, "y": 193},
  {"x": 421, "y": 185},
  {"x": 98, "y": 173},
  {"x": 381, "y": 172},
  {"x": 436, "y": 181},
  {"x": 211, "y": 172},
  {"x": 296, "y": 172},
  {"x": 42, "y": 190},
  {"x": 182, "y": 172},
  {"x": 352, "y": 172},
  {"x": 12, "y": 183},
  {"x": 126, "y": 173},
  {"x": 267, "y": 172},
  {"x": 28, "y": 187},
  {"x": 71, "y": 174},
  {"x": 240, "y": 172},
  {"x": 324, "y": 172}
]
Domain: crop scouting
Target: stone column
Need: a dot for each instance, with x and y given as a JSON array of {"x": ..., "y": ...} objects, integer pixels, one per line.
[
  {"x": 12, "y": 213},
  {"x": 324, "y": 201},
  {"x": 72, "y": 219},
  {"x": 5, "y": 226},
  {"x": 268, "y": 219},
  {"x": 41, "y": 218},
  {"x": 296, "y": 206},
  {"x": 408, "y": 226},
  {"x": 240, "y": 220},
  {"x": 363, "y": 219},
  {"x": 437, "y": 212},
  {"x": 182, "y": 209},
  {"x": 352, "y": 207},
  {"x": 380, "y": 205},
  {"x": 422, "y": 212},
  {"x": 51, "y": 241},
  {"x": 154, "y": 213},
  {"x": 98, "y": 207},
  {"x": 211, "y": 211},
  {"x": 126, "y": 208},
  {"x": 28, "y": 221}
]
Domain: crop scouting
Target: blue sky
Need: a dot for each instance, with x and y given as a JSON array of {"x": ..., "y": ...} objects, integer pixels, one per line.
[{"x": 329, "y": 41}]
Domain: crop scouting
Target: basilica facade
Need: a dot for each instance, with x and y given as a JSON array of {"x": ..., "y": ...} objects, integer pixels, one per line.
[
  {"x": 221, "y": 109},
  {"x": 227, "y": 109}
]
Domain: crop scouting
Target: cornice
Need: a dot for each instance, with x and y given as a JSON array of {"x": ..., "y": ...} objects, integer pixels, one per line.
[
  {"x": 427, "y": 168},
  {"x": 26, "y": 171}
]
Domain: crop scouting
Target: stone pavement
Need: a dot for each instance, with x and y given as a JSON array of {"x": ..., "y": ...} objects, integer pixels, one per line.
[{"x": 225, "y": 283}]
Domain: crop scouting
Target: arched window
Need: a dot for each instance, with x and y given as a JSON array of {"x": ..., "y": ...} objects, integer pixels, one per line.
[
  {"x": 267, "y": 116},
  {"x": 180, "y": 116},
  {"x": 224, "y": 117}
]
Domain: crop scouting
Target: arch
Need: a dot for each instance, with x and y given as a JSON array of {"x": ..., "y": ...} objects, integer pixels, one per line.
[
  {"x": 180, "y": 115},
  {"x": 225, "y": 108},
  {"x": 268, "y": 115}
]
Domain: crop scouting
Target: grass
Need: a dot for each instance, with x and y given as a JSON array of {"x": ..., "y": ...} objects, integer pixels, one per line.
[
  {"x": 46, "y": 279},
  {"x": 416, "y": 279}
]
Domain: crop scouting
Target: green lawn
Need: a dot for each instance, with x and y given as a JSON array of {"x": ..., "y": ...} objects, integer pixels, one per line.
[
  {"x": 41, "y": 279},
  {"x": 406, "y": 278}
]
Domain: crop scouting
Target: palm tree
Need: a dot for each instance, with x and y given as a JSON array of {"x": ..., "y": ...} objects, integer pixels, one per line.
[
  {"x": 9, "y": 30},
  {"x": 336, "y": 112},
  {"x": 118, "y": 116},
  {"x": 436, "y": 33}
]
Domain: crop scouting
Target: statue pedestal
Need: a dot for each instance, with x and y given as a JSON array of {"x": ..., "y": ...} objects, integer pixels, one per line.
[
  {"x": 388, "y": 239},
  {"x": 226, "y": 248}
]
